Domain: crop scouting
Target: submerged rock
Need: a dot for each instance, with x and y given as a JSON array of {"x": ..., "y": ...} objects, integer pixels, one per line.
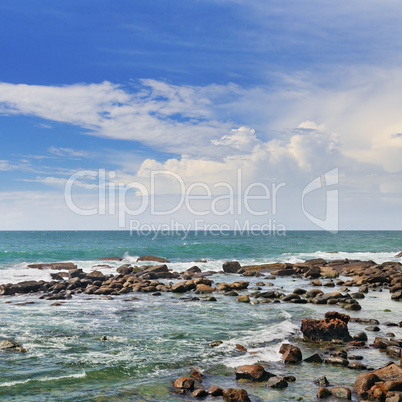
[{"x": 12, "y": 346}]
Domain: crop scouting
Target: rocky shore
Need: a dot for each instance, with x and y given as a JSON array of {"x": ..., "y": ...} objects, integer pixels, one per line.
[{"x": 328, "y": 336}]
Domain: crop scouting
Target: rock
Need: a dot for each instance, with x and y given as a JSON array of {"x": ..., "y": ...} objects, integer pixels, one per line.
[
  {"x": 243, "y": 299},
  {"x": 277, "y": 382},
  {"x": 215, "y": 343},
  {"x": 231, "y": 267},
  {"x": 365, "y": 321},
  {"x": 125, "y": 269},
  {"x": 152, "y": 258},
  {"x": 361, "y": 336},
  {"x": 111, "y": 259},
  {"x": 290, "y": 354},
  {"x": 341, "y": 392},
  {"x": 179, "y": 287},
  {"x": 373, "y": 328},
  {"x": 322, "y": 381},
  {"x": 96, "y": 275},
  {"x": 185, "y": 383},
  {"x": 357, "y": 366},
  {"x": 393, "y": 351},
  {"x": 27, "y": 286},
  {"x": 313, "y": 293},
  {"x": 364, "y": 382},
  {"x": 252, "y": 372},
  {"x": 333, "y": 326},
  {"x": 214, "y": 390},
  {"x": 315, "y": 358},
  {"x": 192, "y": 271},
  {"x": 392, "y": 386},
  {"x": 199, "y": 393},
  {"x": 337, "y": 361},
  {"x": 394, "y": 397},
  {"x": 241, "y": 347},
  {"x": 397, "y": 295},
  {"x": 391, "y": 372},
  {"x": 12, "y": 346},
  {"x": 316, "y": 282},
  {"x": 201, "y": 288},
  {"x": 323, "y": 393},
  {"x": 235, "y": 395},
  {"x": 54, "y": 265},
  {"x": 329, "y": 272},
  {"x": 76, "y": 273}
]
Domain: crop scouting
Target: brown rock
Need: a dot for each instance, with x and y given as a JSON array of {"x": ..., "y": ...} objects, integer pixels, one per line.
[
  {"x": 179, "y": 287},
  {"x": 341, "y": 392},
  {"x": 214, "y": 390},
  {"x": 186, "y": 383},
  {"x": 199, "y": 393},
  {"x": 243, "y": 299},
  {"x": 196, "y": 375},
  {"x": 201, "y": 288},
  {"x": 231, "y": 267},
  {"x": 391, "y": 372},
  {"x": 392, "y": 386},
  {"x": 252, "y": 372},
  {"x": 333, "y": 326},
  {"x": 337, "y": 361},
  {"x": 364, "y": 382},
  {"x": 290, "y": 354},
  {"x": 323, "y": 393},
  {"x": 235, "y": 395},
  {"x": 277, "y": 382}
]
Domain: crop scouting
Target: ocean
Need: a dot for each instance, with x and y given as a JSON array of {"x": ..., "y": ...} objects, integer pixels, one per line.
[{"x": 152, "y": 340}]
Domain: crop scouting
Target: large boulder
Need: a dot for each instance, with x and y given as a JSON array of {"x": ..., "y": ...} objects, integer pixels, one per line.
[
  {"x": 231, "y": 267},
  {"x": 333, "y": 326}
]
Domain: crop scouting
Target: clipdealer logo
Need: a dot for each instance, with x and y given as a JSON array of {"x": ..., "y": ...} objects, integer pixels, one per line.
[{"x": 199, "y": 199}]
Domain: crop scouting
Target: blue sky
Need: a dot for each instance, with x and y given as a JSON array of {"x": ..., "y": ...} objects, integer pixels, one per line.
[{"x": 283, "y": 91}]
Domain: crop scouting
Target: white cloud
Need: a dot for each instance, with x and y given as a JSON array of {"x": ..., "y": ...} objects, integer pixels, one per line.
[{"x": 68, "y": 152}]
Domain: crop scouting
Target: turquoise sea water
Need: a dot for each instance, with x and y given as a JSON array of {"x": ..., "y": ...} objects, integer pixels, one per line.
[{"x": 153, "y": 340}]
